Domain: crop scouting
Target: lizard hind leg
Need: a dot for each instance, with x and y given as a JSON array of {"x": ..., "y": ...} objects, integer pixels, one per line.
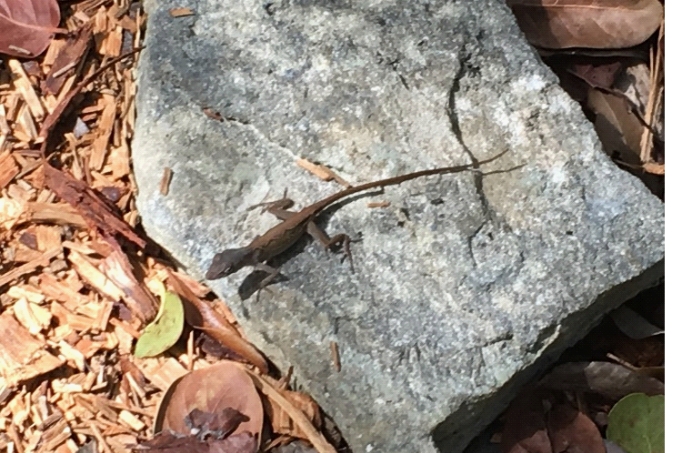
[
  {"x": 342, "y": 239},
  {"x": 276, "y": 206}
]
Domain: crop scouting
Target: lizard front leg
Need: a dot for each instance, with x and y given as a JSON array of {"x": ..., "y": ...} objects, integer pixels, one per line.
[{"x": 273, "y": 273}]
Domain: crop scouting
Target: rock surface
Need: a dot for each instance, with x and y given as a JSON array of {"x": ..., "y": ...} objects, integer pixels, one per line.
[{"x": 467, "y": 284}]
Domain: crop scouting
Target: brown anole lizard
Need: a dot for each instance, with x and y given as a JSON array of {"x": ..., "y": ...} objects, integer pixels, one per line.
[{"x": 282, "y": 236}]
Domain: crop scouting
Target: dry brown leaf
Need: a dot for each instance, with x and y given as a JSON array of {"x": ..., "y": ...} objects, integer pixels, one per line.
[
  {"x": 617, "y": 127},
  {"x": 570, "y": 431},
  {"x": 212, "y": 390},
  {"x": 283, "y": 423},
  {"x": 620, "y": 131},
  {"x": 524, "y": 430},
  {"x": 299, "y": 418},
  {"x": 199, "y": 289},
  {"x": 27, "y": 26},
  {"x": 539, "y": 422},
  {"x": 200, "y": 315},
  {"x": 599, "y": 24}
]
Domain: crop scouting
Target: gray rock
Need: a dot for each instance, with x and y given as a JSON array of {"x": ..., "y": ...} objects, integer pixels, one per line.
[{"x": 466, "y": 285}]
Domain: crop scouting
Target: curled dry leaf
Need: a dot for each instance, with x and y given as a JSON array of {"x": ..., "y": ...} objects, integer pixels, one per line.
[
  {"x": 599, "y": 24},
  {"x": 212, "y": 390},
  {"x": 283, "y": 423},
  {"x": 200, "y": 315},
  {"x": 620, "y": 131},
  {"x": 300, "y": 419},
  {"x": 617, "y": 127},
  {"x": 27, "y": 26}
]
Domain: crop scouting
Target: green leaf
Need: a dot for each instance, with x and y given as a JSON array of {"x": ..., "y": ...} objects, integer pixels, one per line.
[
  {"x": 165, "y": 330},
  {"x": 637, "y": 423}
]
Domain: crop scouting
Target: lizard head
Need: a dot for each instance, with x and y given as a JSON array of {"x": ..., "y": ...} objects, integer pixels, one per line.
[{"x": 229, "y": 261}]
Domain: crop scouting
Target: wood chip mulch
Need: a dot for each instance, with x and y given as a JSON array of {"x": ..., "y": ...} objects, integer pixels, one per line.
[{"x": 78, "y": 282}]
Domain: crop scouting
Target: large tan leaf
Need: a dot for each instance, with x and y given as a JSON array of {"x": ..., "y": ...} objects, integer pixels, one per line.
[
  {"x": 600, "y": 24},
  {"x": 26, "y": 26},
  {"x": 220, "y": 387}
]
